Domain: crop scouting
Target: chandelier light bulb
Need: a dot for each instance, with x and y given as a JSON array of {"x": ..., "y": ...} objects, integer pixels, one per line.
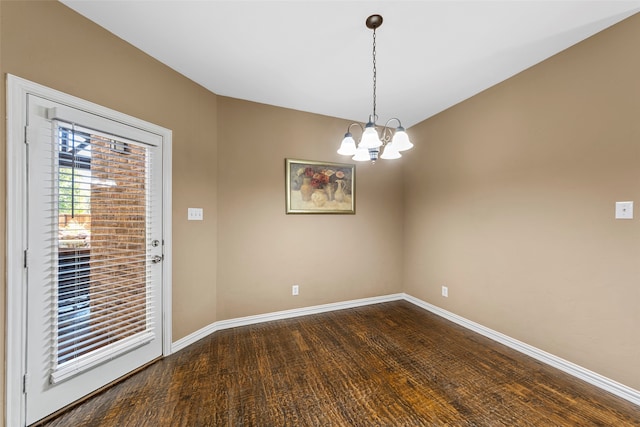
[
  {"x": 362, "y": 155},
  {"x": 401, "y": 140},
  {"x": 370, "y": 138},
  {"x": 390, "y": 152},
  {"x": 348, "y": 146}
]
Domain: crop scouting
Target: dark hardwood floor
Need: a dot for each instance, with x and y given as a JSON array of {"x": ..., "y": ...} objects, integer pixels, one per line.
[{"x": 390, "y": 364}]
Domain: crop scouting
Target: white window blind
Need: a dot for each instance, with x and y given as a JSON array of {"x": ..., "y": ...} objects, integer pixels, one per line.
[{"x": 101, "y": 304}]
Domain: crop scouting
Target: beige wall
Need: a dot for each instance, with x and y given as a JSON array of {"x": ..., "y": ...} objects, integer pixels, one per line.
[
  {"x": 263, "y": 251},
  {"x": 510, "y": 203}
]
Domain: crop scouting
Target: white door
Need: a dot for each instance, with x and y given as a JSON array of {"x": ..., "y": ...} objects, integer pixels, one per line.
[{"x": 94, "y": 258}]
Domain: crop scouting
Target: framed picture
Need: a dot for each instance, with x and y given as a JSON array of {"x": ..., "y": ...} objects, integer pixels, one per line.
[{"x": 320, "y": 187}]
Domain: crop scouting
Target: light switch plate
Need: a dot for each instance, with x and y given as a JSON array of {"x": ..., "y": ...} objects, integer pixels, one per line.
[
  {"x": 195, "y": 214},
  {"x": 624, "y": 210}
]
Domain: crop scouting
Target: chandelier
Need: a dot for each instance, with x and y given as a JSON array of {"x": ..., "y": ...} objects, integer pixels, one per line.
[{"x": 390, "y": 141}]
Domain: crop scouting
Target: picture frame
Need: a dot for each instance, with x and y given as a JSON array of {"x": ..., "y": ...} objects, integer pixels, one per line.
[{"x": 314, "y": 187}]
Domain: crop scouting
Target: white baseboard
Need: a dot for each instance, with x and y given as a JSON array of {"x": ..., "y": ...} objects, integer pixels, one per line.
[
  {"x": 577, "y": 371},
  {"x": 278, "y": 315},
  {"x": 620, "y": 390}
]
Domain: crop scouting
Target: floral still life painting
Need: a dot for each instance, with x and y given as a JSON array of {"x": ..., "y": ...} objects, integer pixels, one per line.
[{"x": 318, "y": 187}]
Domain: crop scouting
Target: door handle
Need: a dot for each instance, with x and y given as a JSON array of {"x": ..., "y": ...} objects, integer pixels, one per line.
[{"x": 156, "y": 259}]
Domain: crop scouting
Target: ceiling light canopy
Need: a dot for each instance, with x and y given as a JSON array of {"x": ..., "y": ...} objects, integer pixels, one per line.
[{"x": 390, "y": 141}]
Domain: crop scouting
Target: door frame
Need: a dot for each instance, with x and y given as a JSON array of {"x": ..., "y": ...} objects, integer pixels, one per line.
[{"x": 16, "y": 244}]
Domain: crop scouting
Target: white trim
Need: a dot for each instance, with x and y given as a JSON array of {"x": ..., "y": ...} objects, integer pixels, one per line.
[
  {"x": 577, "y": 371},
  {"x": 278, "y": 315},
  {"x": 570, "y": 368},
  {"x": 17, "y": 90},
  {"x": 16, "y": 244},
  {"x": 167, "y": 233}
]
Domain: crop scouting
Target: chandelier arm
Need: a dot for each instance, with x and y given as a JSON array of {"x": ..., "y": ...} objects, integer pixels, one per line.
[
  {"x": 387, "y": 132},
  {"x": 386, "y": 125},
  {"x": 385, "y": 136},
  {"x": 355, "y": 124}
]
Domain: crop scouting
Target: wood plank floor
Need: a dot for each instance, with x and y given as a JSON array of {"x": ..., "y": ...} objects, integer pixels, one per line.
[{"x": 390, "y": 364}]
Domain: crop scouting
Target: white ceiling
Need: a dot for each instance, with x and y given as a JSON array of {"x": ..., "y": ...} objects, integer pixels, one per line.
[{"x": 316, "y": 55}]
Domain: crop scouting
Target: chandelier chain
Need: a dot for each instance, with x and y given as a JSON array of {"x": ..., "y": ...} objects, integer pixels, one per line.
[{"x": 375, "y": 117}]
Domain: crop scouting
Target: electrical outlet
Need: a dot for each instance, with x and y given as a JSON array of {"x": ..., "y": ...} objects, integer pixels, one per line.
[
  {"x": 445, "y": 292},
  {"x": 624, "y": 210},
  {"x": 295, "y": 290}
]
